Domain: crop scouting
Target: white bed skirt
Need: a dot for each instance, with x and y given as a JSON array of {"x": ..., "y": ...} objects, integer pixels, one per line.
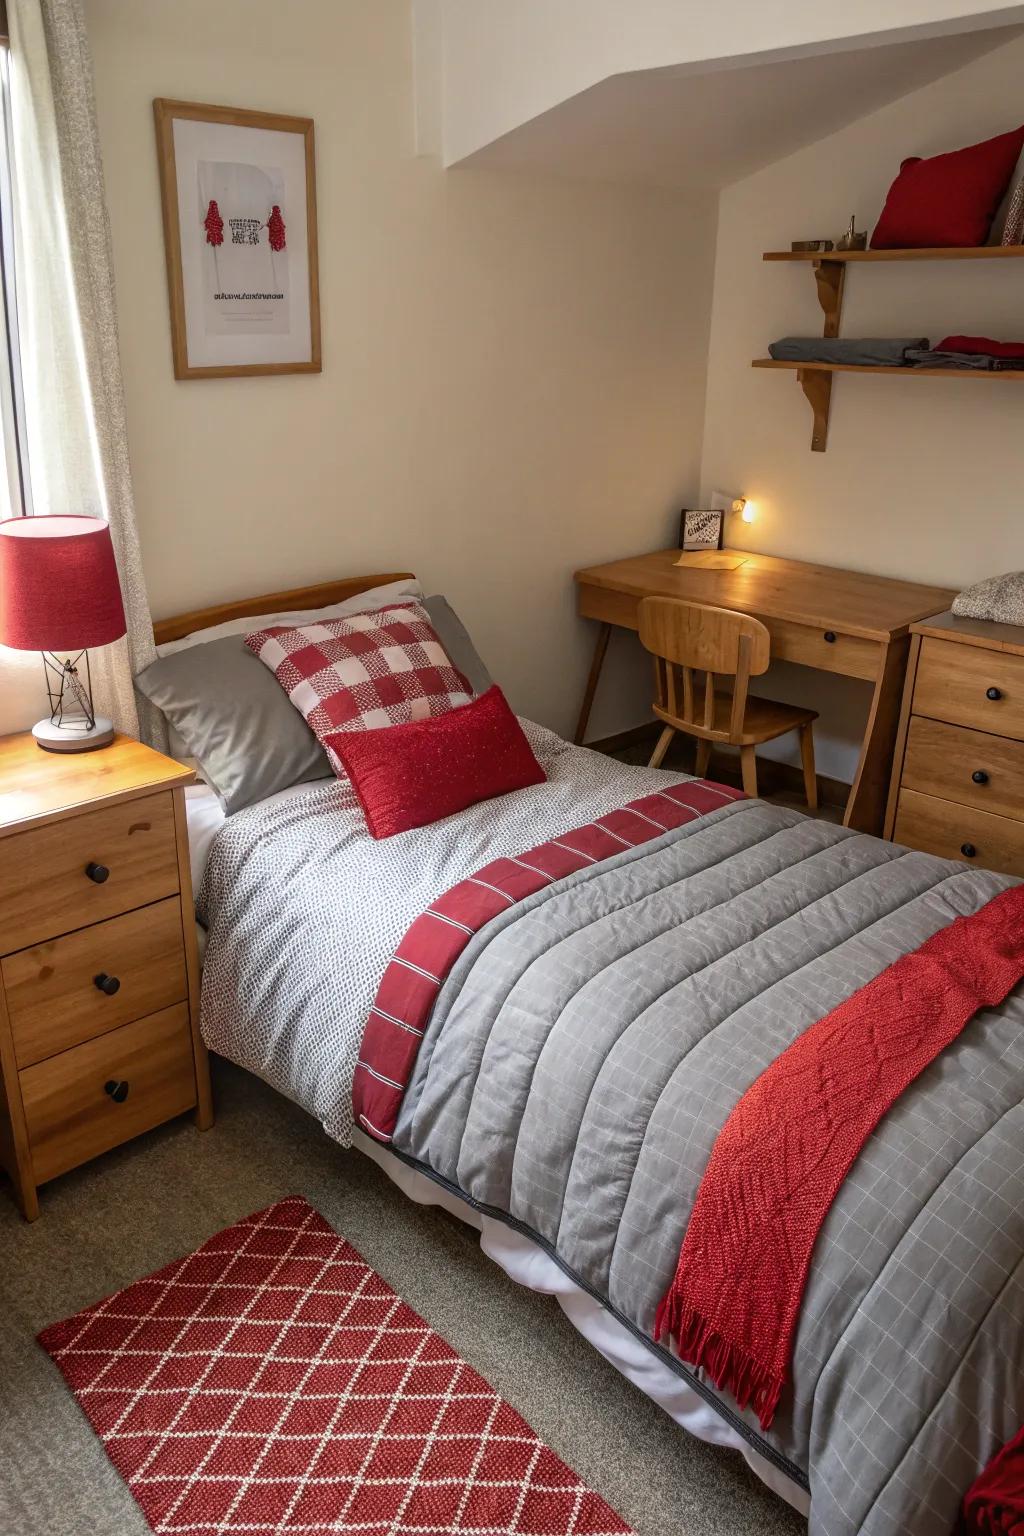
[{"x": 526, "y": 1263}]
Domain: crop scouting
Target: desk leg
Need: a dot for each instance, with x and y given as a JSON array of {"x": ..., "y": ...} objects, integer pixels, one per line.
[
  {"x": 865, "y": 809},
  {"x": 600, "y": 647}
]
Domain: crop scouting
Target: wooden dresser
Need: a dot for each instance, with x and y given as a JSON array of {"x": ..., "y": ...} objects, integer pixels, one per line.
[
  {"x": 958, "y": 771},
  {"x": 99, "y": 976}
]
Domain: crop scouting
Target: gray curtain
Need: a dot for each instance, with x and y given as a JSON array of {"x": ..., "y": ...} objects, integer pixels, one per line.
[{"x": 74, "y": 396}]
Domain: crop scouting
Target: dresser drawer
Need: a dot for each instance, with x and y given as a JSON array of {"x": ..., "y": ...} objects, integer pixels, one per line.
[
  {"x": 70, "y": 1116},
  {"x": 942, "y": 827},
  {"x": 954, "y": 681},
  {"x": 54, "y": 999},
  {"x": 45, "y": 889},
  {"x": 944, "y": 759}
]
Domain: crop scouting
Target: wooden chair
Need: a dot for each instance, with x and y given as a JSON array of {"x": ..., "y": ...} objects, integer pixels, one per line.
[{"x": 685, "y": 638}]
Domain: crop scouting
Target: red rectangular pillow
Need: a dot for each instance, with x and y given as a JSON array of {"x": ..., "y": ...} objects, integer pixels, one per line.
[
  {"x": 412, "y": 775},
  {"x": 948, "y": 199}
]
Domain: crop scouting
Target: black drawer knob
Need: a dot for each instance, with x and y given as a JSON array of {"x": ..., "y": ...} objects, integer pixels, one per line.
[
  {"x": 979, "y": 776},
  {"x": 118, "y": 1090},
  {"x": 993, "y": 694},
  {"x": 830, "y": 636},
  {"x": 968, "y": 850},
  {"x": 107, "y": 984},
  {"x": 97, "y": 873}
]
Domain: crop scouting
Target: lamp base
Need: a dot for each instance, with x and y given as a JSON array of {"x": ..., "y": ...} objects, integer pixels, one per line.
[{"x": 75, "y": 735}]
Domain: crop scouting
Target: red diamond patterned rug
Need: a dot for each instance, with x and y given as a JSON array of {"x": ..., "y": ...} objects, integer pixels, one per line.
[{"x": 272, "y": 1382}]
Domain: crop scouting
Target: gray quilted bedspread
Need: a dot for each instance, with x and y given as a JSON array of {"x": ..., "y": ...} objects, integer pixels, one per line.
[{"x": 590, "y": 1043}]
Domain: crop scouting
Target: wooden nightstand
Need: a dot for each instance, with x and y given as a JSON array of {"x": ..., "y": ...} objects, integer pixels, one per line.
[
  {"x": 958, "y": 773},
  {"x": 99, "y": 974}
]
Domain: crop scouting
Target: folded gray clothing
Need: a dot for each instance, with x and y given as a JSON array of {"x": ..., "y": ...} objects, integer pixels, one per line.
[
  {"x": 1008, "y": 364},
  {"x": 967, "y": 361},
  {"x": 872, "y": 352},
  {"x": 997, "y": 597}
]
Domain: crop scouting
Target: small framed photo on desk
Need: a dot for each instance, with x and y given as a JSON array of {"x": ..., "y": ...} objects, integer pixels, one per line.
[{"x": 701, "y": 528}]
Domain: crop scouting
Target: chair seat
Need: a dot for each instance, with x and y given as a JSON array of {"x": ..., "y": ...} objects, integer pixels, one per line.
[{"x": 763, "y": 721}]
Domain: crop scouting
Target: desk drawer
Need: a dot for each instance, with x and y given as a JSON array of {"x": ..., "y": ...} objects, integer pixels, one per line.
[
  {"x": 54, "y": 1000},
  {"x": 849, "y": 655},
  {"x": 942, "y": 760},
  {"x": 45, "y": 889},
  {"x": 942, "y": 827},
  {"x": 68, "y": 1112},
  {"x": 953, "y": 683}
]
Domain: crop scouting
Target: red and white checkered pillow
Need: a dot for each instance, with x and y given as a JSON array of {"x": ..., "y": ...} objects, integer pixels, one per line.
[{"x": 363, "y": 672}]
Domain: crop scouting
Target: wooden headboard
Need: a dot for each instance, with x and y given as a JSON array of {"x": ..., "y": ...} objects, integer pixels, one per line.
[{"x": 294, "y": 600}]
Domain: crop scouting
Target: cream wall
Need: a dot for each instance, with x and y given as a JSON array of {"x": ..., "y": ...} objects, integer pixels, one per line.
[
  {"x": 922, "y": 477},
  {"x": 514, "y": 369}
]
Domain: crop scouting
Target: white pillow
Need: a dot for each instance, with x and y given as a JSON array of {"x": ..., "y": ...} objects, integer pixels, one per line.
[{"x": 363, "y": 602}]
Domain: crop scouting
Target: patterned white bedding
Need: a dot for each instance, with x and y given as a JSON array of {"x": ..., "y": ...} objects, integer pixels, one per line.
[{"x": 304, "y": 909}]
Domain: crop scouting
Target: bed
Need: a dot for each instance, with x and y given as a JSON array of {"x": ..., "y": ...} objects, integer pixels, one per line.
[{"x": 582, "y": 1056}]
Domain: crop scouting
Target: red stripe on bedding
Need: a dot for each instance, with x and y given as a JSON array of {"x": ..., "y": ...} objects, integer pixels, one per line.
[
  {"x": 433, "y": 943},
  {"x": 786, "y": 1148}
]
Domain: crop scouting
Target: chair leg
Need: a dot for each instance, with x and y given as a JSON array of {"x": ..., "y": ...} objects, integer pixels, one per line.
[
  {"x": 664, "y": 742},
  {"x": 748, "y": 767},
  {"x": 810, "y": 777},
  {"x": 700, "y": 767}
]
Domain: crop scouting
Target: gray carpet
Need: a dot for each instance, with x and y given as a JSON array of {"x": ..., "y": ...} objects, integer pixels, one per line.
[{"x": 136, "y": 1209}]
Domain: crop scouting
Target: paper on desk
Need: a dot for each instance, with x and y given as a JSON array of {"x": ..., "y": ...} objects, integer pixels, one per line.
[{"x": 711, "y": 559}]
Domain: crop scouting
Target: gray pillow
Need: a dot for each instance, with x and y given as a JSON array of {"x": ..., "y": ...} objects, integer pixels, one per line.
[
  {"x": 454, "y": 636},
  {"x": 235, "y": 719}
]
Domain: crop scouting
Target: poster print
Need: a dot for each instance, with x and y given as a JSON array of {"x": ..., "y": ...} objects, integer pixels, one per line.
[{"x": 239, "y": 206}]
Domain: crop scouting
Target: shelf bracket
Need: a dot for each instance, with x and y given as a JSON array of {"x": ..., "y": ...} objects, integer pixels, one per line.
[
  {"x": 817, "y": 386},
  {"x": 830, "y": 276}
]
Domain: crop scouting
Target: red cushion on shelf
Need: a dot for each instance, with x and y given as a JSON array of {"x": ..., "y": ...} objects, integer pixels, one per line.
[
  {"x": 948, "y": 200},
  {"x": 411, "y": 775}
]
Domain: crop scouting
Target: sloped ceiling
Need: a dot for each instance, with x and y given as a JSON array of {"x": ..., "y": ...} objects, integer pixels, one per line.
[{"x": 703, "y": 130}]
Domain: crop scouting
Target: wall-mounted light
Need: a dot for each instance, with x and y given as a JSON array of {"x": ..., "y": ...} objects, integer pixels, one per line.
[{"x": 745, "y": 508}]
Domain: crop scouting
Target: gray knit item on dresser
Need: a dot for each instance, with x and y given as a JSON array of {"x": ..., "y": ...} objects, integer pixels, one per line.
[{"x": 1000, "y": 598}]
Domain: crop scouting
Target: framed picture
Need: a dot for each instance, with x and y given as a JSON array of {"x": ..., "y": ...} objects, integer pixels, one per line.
[
  {"x": 700, "y": 529},
  {"x": 239, "y": 202}
]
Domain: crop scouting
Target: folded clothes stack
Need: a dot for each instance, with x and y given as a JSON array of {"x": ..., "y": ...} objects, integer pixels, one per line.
[
  {"x": 971, "y": 352},
  {"x": 873, "y": 352}
]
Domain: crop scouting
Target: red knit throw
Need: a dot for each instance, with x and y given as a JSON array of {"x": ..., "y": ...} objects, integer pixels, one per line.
[
  {"x": 789, "y": 1143},
  {"x": 995, "y": 1500}
]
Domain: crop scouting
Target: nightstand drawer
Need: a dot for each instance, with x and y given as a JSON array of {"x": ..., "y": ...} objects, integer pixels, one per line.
[
  {"x": 954, "y": 683},
  {"x": 54, "y": 994},
  {"x": 971, "y": 767},
  {"x": 72, "y": 873},
  {"x": 940, "y": 826},
  {"x": 93, "y": 1097}
]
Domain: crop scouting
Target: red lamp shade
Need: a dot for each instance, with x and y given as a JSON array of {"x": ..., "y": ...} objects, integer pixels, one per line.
[{"x": 58, "y": 584}]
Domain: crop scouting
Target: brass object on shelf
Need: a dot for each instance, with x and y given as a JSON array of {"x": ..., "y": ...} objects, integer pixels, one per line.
[{"x": 854, "y": 239}]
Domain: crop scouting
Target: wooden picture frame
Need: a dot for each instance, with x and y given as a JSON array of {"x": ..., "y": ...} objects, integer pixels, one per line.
[
  {"x": 701, "y": 528},
  {"x": 220, "y": 329}
]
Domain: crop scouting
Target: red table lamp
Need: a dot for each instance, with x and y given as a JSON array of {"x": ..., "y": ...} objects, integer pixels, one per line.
[{"x": 59, "y": 594}]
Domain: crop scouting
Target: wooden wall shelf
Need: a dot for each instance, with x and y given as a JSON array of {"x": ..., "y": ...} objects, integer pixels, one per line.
[
  {"x": 829, "y": 269},
  {"x": 921, "y": 253},
  {"x": 897, "y": 372}
]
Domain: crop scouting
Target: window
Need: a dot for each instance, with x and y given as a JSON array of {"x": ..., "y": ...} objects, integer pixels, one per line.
[{"x": 15, "y": 496}]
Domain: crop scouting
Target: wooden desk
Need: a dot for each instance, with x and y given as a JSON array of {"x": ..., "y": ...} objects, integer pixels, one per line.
[{"x": 835, "y": 621}]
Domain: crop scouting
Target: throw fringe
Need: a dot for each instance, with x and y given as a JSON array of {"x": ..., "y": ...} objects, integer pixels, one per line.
[{"x": 698, "y": 1342}]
